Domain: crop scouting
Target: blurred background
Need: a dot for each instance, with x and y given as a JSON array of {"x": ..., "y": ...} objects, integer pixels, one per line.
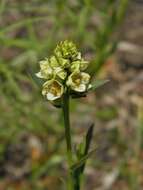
[{"x": 110, "y": 35}]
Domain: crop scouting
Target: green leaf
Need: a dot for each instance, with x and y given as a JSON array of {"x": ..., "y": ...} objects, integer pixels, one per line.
[
  {"x": 88, "y": 139},
  {"x": 83, "y": 147},
  {"x": 82, "y": 161},
  {"x": 97, "y": 84},
  {"x": 34, "y": 78},
  {"x": 83, "y": 154}
]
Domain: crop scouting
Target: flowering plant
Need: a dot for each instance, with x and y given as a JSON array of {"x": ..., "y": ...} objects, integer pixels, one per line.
[
  {"x": 64, "y": 77},
  {"x": 64, "y": 69}
]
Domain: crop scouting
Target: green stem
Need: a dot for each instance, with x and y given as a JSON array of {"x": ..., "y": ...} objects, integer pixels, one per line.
[
  {"x": 68, "y": 135},
  {"x": 77, "y": 182},
  {"x": 74, "y": 178},
  {"x": 67, "y": 126}
]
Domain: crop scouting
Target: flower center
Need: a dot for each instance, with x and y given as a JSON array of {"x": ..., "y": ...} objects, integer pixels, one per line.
[
  {"x": 77, "y": 79},
  {"x": 55, "y": 89}
]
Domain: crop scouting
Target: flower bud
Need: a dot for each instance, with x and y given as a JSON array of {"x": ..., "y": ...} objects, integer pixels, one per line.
[{"x": 67, "y": 50}]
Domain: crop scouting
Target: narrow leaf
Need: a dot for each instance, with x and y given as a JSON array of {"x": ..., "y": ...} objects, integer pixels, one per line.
[
  {"x": 36, "y": 80},
  {"x": 84, "y": 154},
  {"x": 97, "y": 84},
  {"x": 83, "y": 147},
  {"x": 88, "y": 139},
  {"x": 82, "y": 161}
]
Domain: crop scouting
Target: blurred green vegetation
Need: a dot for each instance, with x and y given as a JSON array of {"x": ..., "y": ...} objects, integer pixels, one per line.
[{"x": 29, "y": 30}]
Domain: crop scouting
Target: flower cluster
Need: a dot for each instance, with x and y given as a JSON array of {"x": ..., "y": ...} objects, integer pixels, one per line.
[{"x": 64, "y": 69}]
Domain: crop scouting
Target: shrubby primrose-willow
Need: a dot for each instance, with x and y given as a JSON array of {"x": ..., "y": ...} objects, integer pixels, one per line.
[{"x": 65, "y": 77}]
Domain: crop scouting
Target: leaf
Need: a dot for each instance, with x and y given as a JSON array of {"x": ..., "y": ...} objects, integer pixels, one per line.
[
  {"x": 97, "y": 84},
  {"x": 88, "y": 139},
  {"x": 83, "y": 153},
  {"x": 81, "y": 162},
  {"x": 83, "y": 147},
  {"x": 34, "y": 78},
  {"x": 87, "y": 145}
]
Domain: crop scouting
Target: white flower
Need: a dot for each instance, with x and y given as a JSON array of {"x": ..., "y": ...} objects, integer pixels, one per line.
[
  {"x": 58, "y": 69},
  {"x": 75, "y": 66},
  {"x": 52, "y": 89},
  {"x": 83, "y": 64},
  {"x": 61, "y": 73},
  {"x": 46, "y": 71},
  {"x": 50, "y": 68},
  {"x": 78, "y": 81},
  {"x": 53, "y": 62},
  {"x": 79, "y": 65},
  {"x": 65, "y": 63}
]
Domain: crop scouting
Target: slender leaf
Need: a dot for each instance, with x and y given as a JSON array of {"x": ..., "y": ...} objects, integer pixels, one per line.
[
  {"x": 82, "y": 161},
  {"x": 97, "y": 84}
]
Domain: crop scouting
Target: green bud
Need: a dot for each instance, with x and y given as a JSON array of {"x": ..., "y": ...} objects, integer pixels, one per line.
[{"x": 67, "y": 50}]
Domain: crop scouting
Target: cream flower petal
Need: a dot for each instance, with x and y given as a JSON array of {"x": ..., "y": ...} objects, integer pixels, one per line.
[
  {"x": 39, "y": 75},
  {"x": 79, "y": 56},
  {"x": 51, "y": 97},
  {"x": 80, "y": 88}
]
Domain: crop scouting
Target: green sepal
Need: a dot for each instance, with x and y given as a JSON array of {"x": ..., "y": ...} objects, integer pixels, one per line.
[
  {"x": 75, "y": 95},
  {"x": 57, "y": 103}
]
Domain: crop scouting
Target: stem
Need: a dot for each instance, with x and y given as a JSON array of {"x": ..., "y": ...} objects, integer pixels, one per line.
[
  {"x": 74, "y": 179},
  {"x": 67, "y": 126},
  {"x": 77, "y": 182},
  {"x": 68, "y": 135}
]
